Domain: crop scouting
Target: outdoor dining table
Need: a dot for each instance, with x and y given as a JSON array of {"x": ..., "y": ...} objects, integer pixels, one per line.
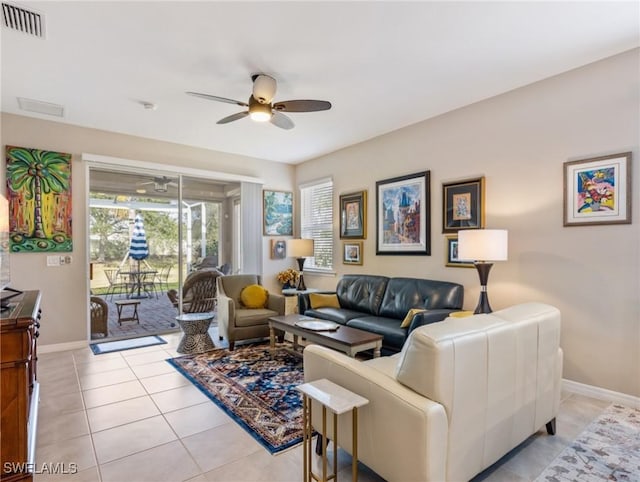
[{"x": 136, "y": 280}]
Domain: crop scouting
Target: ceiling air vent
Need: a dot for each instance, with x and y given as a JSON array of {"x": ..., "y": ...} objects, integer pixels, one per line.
[
  {"x": 40, "y": 107},
  {"x": 23, "y": 20}
]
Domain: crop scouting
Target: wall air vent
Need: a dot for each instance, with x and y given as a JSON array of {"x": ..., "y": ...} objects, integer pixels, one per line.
[{"x": 23, "y": 20}]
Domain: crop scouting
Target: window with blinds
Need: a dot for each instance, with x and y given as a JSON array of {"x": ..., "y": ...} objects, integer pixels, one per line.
[{"x": 316, "y": 217}]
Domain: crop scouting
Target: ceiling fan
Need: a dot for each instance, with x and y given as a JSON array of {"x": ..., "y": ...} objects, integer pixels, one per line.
[
  {"x": 260, "y": 107},
  {"x": 160, "y": 184}
]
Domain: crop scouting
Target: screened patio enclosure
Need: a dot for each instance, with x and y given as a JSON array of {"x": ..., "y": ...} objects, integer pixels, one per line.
[{"x": 186, "y": 221}]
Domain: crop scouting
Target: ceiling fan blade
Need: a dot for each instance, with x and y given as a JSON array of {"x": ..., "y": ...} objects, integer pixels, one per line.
[
  {"x": 302, "y": 105},
  {"x": 282, "y": 121},
  {"x": 233, "y": 117},
  {"x": 219, "y": 99}
]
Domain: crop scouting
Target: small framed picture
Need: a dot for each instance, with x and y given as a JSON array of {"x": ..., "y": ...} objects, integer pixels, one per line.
[
  {"x": 352, "y": 252},
  {"x": 278, "y": 249},
  {"x": 598, "y": 190},
  {"x": 463, "y": 205},
  {"x": 353, "y": 215},
  {"x": 451, "y": 253}
]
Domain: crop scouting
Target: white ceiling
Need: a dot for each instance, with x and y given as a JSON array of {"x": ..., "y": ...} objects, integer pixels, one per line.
[{"x": 383, "y": 65}]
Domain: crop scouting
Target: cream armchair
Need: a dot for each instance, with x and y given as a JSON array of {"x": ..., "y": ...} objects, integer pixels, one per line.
[
  {"x": 235, "y": 321},
  {"x": 461, "y": 394}
]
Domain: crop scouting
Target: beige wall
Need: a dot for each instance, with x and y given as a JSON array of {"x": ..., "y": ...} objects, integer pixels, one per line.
[
  {"x": 519, "y": 142},
  {"x": 65, "y": 289}
]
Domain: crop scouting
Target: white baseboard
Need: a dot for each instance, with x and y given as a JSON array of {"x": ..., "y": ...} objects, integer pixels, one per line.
[
  {"x": 72, "y": 345},
  {"x": 600, "y": 393}
]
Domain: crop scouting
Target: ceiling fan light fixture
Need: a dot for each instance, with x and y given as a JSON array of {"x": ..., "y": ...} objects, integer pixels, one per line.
[
  {"x": 264, "y": 88},
  {"x": 161, "y": 187},
  {"x": 261, "y": 107},
  {"x": 259, "y": 112},
  {"x": 260, "y": 116}
]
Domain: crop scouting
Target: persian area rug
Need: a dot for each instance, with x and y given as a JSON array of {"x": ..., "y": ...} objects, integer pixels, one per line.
[
  {"x": 608, "y": 449},
  {"x": 129, "y": 344},
  {"x": 254, "y": 387}
]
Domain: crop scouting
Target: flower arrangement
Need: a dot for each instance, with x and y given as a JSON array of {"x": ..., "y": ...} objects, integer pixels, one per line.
[{"x": 287, "y": 276}]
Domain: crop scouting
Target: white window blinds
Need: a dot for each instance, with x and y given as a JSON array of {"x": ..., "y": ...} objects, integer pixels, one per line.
[{"x": 316, "y": 202}]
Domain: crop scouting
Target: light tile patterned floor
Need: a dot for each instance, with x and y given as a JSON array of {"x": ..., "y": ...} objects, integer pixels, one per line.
[{"x": 129, "y": 416}]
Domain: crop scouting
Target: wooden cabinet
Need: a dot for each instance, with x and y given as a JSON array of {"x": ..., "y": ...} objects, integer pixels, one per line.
[{"x": 19, "y": 391}]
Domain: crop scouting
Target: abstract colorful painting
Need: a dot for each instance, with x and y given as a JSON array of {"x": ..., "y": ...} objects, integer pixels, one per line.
[
  {"x": 39, "y": 192},
  {"x": 598, "y": 190},
  {"x": 403, "y": 215}
]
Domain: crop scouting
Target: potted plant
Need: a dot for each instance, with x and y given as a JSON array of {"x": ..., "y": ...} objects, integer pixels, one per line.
[{"x": 287, "y": 278}]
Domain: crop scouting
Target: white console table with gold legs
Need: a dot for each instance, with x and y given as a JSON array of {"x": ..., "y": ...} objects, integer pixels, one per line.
[{"x": 337, "y": 400}]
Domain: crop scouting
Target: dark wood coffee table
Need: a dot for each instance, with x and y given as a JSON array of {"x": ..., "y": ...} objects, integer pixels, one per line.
[{"x": 345, "y": 339}]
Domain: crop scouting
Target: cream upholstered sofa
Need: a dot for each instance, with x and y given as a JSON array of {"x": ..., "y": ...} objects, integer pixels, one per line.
[{"x": 460, "y": 394}]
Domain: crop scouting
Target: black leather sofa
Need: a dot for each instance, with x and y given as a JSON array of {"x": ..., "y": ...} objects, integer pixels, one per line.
[{"x": 379, "y": 304}]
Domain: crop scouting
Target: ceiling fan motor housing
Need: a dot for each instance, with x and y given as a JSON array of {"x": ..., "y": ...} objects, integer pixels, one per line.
[{"x": 264, "y": 88}]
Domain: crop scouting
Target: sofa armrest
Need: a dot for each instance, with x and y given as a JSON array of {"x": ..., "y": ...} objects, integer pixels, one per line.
[
  {"x": 304, "y": 303},
  {"x": 276, "y": 303},
  {"x": 428, "y": 317},
  {"x": 401, "y": 436}
]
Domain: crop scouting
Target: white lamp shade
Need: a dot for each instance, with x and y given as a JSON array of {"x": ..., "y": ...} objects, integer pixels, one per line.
[
  {"x": 300, "y": 248},
  {"x": 482, "y": 244}
]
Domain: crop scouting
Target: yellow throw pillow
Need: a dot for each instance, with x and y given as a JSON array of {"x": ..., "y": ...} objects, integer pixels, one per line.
[
  {"x": 460, "y": 314},
  {"x": 254, "y": 296},
  {"x": 409, "y": 318},
  {"x": 318, "y": 300}
]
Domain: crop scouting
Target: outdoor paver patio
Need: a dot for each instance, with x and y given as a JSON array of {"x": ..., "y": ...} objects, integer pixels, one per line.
[{"x": 157, "y": 316}]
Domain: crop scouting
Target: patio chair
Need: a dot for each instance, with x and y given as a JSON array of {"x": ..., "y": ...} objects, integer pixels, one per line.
[
  {"x": 117, "y": 283},
  {"x": 148, "y": 282},
  {"x": 198, "y": 292},
  {"x": 99, "y": 310},
  {"x": 207, "y": 262},
  {"x": 162, "y": 277}
]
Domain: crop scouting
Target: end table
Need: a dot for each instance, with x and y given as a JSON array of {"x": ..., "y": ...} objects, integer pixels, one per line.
[
  {"x": 338, "y": 400},
  {"x": 195, "y": 327}
]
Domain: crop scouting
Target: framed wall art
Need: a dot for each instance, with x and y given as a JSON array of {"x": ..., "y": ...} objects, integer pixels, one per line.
[
  {"x": 39, "y": 192},
  {"x": 352, "y": 252},
  {"x": 598, "y": 190},
  {"x": 403, "y": 216},
  {"x": 451, "y": 253},
  {"x": 353, "y": 215},
  {"x": 463, "y": 205},
  {"x": 277, "y": 213},
  {"x": 278, "y": 249}
]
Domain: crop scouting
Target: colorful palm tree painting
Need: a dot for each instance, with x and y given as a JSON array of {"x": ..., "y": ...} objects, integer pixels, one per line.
[{"x": 39, "y": 191}]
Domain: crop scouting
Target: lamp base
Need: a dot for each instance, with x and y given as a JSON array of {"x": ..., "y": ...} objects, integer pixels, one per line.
[
  {"x": 483, "y": 273},
  {"x": 301, "y": 286}
]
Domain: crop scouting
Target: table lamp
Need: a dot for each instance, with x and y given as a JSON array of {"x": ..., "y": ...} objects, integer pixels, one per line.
[
  {"x": 300, "y": 249},
  {"x": 481, "y": 246}
]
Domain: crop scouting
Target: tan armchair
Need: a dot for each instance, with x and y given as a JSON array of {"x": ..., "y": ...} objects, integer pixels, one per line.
[
  {"x": 198, "y": 292},
  {"x": 236, "y": 322}
]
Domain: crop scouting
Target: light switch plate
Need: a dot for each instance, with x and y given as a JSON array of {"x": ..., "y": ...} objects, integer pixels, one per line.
[{"x": 53, "y": 260}]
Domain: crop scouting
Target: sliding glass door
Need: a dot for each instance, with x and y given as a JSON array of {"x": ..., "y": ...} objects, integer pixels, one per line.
[{"x": 182, "y": 222}]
